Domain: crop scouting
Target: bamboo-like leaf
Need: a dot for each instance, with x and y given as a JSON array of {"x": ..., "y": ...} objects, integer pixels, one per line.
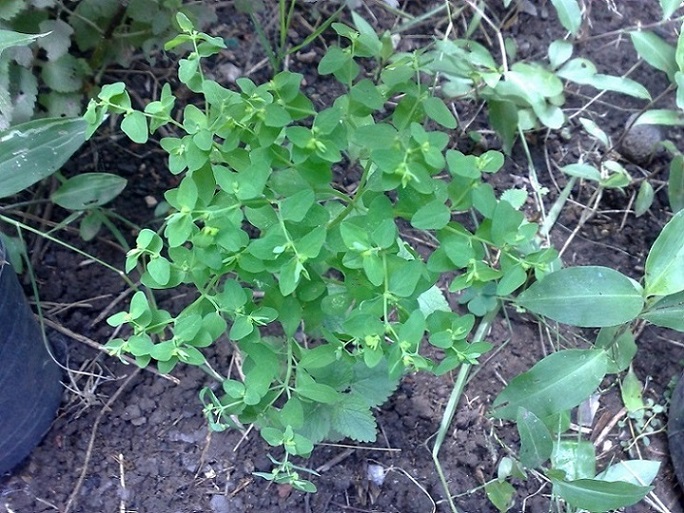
[
  {"x": 590, "y": 296},
  {"x": 557, "y": 383},
  {"x": 597, "y": 496},
  {"x": 655, "y": 50},
  {"x": 569, "y": 14},
  {"x": 665, "y": 262},
  {"x": 34, "y": 150}
]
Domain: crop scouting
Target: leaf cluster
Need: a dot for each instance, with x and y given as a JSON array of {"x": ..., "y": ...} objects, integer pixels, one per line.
[{"x": 261, "y": 230}]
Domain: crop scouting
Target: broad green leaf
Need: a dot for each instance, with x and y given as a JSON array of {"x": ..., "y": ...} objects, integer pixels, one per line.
[
  {"x": 665, "y": 262},
  {"x": 433, "y": 300},
  {"x": 668, "y": 312},
  {"x": 569, "y": 14},
  {"x": 557, "y": 383},
  {"x": 636, "y": 472},
  {"x": 598, "y": 496},
  {"x": 576, "y": 458},
  {"x": 88, "y": 190},
  {"x": 655, "y": 50},
  {"x": 536, "y": 443},
  {"x": 34, "y": 150},
  {"x": 372, "y": 385},
  {"x": 587, "y": 297}
]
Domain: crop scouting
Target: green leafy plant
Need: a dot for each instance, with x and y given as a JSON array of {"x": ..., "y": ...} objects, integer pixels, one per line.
[
  {"x": 541, "y": 399},
  {"x": 72, "y": 46},
  {"x": 326, "y": 302}
]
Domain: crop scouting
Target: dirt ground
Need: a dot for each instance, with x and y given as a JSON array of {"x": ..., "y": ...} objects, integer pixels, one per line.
[{"x": 132, "y": 441}]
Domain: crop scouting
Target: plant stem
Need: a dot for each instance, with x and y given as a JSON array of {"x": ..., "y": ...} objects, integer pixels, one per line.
[{"x": 456, "y": 392}]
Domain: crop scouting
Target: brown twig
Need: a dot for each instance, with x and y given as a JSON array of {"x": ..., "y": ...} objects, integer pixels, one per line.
[{"x": 89, "y": 342}]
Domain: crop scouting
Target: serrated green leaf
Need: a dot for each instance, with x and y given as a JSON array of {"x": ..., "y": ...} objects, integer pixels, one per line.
[
  {"x": 57, "y": 39},
  {"x": 557, "y": 383},
  {"x": 64, "y": 75},
  {"x": 352, "y": 418},
  {"x": 590, "y": 296},
  {"x": 88, "y": 190},
  {"x": 373, "y": 386}
]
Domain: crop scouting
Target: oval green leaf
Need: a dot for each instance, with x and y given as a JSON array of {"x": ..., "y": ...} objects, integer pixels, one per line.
[
  {"x": 88, "y": 190},
  {"x": 588, "y": 297}
]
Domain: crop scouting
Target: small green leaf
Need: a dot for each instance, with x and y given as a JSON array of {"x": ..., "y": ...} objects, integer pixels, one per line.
[
  {"x": 500, "y": 494},
  {"x": 588, "y": 296},
  {"x": 88, "y": 190},
  {"x": 569, "y": 14},
  {"x": 559, "y": 52},
  {"x": 644, "y": 198},
  {"x": 665, "y": 262},
  {"x": 134, "y": 125},
  {"x": 438, "y": 112},
  {"x": 434, "y": 215},
  {"x": 675, "y": 183},
  {"x": 631, "y": 389},
  {"x": 536, "y": 443},
  {"x": 557, "y": 383}
]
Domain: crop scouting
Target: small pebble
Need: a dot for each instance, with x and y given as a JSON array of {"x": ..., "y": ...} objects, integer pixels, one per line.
[
  {"x": 219, "y": 504},
  {"x": 641, "y": 142}
]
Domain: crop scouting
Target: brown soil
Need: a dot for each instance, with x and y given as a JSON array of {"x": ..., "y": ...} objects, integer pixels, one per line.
[{"x": 127, "y": 441}]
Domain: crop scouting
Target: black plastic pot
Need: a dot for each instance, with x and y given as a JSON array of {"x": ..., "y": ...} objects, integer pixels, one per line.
[
  {"x": 675, "y": 430},
  {"x": 30, "y": 388}
]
